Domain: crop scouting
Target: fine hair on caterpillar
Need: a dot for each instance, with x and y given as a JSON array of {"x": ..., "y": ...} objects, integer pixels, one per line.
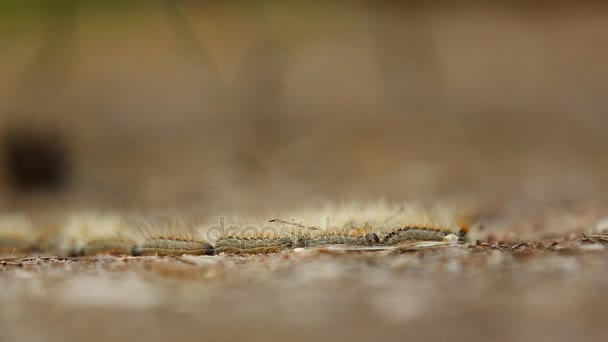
[
  {"x": 368, "y": 226},
  {"x": 168, "y": 236},
  {"x": 348, "y": 231},
  {"x": 94, "y": 233}
]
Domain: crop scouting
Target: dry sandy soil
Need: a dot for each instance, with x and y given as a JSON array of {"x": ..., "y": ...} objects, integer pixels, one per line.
[{"x": 553, "y": 289}]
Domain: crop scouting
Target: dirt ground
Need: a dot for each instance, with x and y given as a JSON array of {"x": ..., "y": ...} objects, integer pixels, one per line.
[{"x": 555, "y": 289}]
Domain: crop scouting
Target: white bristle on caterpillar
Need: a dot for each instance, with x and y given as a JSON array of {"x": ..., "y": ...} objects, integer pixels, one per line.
[
  {"x": 92, "y": 233},
  {"x": 353, "y": 224},
  {"x": 168, "y": 237},
  {"x": 240, "y": 235},
  {"x": 362, "y": 226},
  {"x": 379, "y": 215}
]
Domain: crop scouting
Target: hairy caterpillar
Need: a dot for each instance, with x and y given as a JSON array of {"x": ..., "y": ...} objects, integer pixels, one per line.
[
  {"x": 264, "y": 245},
  {"x": 343, "y": 239},
  {"x": 168, "y": 237},
  {"x": 372, "y": 226},
  {"x": 301, "y": 236},
  {"x": 314, "y": 237},
  {"x": 171, "y": 247},
  {"x": 405, "y": 234},
  {"x": 357, "y": 226},
  {"x": 261, "y": 245},
  {"x": 89, "y": 234},
  {"x": 255, "y": 236}
]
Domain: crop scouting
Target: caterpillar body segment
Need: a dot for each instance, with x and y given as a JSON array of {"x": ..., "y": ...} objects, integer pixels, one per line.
[
  {"x": 368, "y": 229},
  {"x": 354, "y": 237},
  {"x": 407, "y": 234},
  {"x": 315, "y": 237},
  {"x": 171, "y": 247},
  {"x": 262, "y": 245},
  {"x": 324, "y": 240},
  {"x": 168, "y": 236}
]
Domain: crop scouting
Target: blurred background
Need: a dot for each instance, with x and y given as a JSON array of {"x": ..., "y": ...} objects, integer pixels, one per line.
[{"x": 206, "y": 105}]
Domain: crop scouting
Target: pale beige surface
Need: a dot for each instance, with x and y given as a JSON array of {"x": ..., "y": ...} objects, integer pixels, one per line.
[
  {"x": 542, "y": 278},
  {"x": 462, "y": 293}
]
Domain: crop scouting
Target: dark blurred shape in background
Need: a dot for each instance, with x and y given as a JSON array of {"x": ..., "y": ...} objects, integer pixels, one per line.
[
  {"x": 210, "y": 105},
  {"x": 35, "y": 161}
]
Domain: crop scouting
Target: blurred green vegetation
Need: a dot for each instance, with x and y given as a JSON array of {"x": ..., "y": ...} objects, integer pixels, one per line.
[{"x": 29, "y": 6}]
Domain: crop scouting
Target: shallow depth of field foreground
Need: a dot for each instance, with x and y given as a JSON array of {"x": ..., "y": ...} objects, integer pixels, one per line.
[
  {"x": 479, "y": 291},
  {"x": 366, "y": 170}
]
